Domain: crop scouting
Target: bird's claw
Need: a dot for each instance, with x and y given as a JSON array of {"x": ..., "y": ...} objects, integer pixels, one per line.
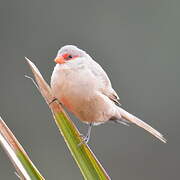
[
  {"x": 53, "y": 100},
  {"x": 85, "y": 139}
]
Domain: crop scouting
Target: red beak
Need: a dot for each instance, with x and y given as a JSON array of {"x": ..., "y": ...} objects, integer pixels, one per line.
[{"x": 59, "y": 60}]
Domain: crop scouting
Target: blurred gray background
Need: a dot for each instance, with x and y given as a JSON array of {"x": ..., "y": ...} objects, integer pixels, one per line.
[{"x": 136, "y": 41}]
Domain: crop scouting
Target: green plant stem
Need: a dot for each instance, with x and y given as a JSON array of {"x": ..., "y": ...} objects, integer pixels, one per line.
[
  {"x": 22, "y": 163},
  {"x": 90, "y": 167}
]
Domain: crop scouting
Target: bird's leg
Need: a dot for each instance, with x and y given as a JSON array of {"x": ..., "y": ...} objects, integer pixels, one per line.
[{"x": 88, "y": 135}]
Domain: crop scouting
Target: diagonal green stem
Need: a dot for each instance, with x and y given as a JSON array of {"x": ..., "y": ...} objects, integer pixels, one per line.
[
  {"x": 90, "y": 167},
  {"x": 87, "y": 162},
  {"x": 23, "y": 165}
]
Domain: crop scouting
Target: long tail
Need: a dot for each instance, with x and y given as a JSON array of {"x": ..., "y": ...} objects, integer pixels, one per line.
[{"x": 129, "y": 117}]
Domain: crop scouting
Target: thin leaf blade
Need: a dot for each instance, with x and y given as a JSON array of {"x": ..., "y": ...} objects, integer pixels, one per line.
[
  {"x": 22, "y": 163},
  {"x": 87, "y": 162}
]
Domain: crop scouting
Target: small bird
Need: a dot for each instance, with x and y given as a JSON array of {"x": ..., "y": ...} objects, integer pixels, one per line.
[{"x": 84, "y": 88}]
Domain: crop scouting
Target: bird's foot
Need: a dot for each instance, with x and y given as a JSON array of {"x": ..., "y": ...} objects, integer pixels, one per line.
[
  {"x": 85, "y": 139},
  {"x": 55, "y": 99}
]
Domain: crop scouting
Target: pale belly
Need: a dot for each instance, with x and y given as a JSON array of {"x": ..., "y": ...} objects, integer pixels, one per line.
[
  {"x": 89, "y": 108},
  {"x": 80, "y": 94}
]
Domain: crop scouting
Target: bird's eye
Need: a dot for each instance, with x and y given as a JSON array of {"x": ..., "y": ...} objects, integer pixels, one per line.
[{"x": 69, "y": 56}]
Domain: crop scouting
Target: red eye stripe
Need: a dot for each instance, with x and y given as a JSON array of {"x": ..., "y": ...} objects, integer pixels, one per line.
[
  {"x": 74, "y": 57},
  {"x": 67, "y": 56}
]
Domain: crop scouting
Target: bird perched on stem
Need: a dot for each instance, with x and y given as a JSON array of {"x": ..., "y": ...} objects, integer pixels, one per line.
[{"x": 84, "y": 88}]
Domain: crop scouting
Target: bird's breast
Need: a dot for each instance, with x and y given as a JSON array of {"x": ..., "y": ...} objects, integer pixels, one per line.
[
  {"x": 73, "y": 87},
  {"x": 79, "y": 91}
]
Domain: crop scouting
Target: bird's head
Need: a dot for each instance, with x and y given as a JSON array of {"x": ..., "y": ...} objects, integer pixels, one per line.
[{"x": 69, "y": 53}]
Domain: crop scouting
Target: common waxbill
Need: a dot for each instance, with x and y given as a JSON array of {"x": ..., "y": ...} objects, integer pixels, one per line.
[{"x": 84, "y": 88}]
